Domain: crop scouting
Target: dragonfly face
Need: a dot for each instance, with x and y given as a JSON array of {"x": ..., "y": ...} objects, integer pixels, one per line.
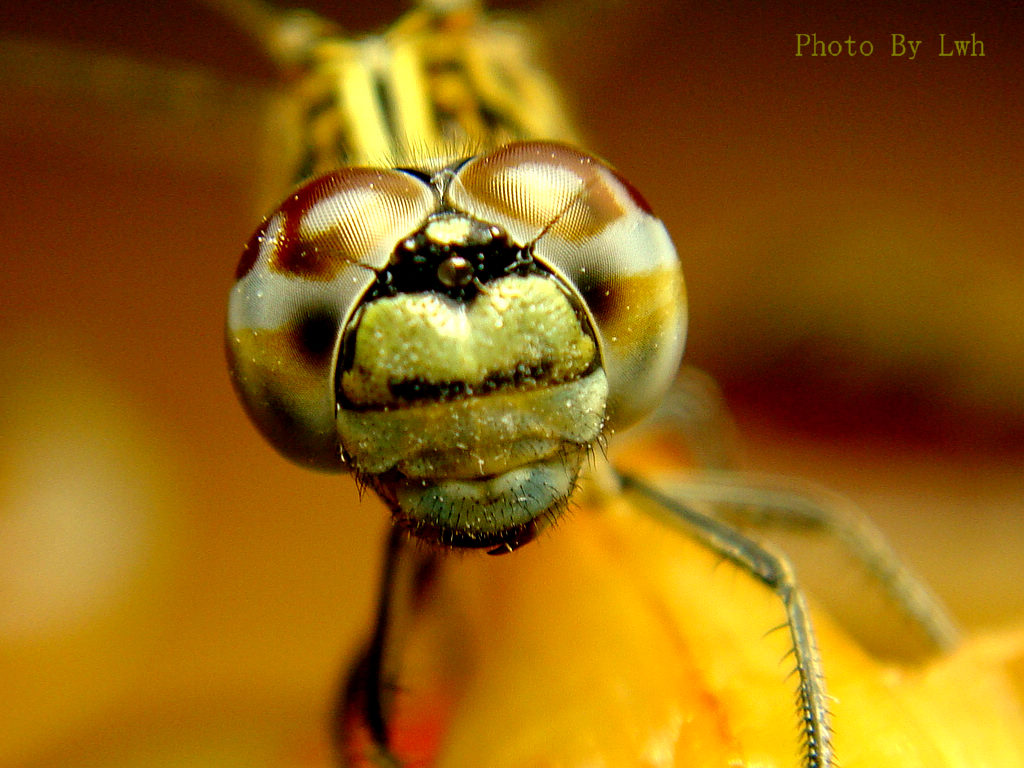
[{"x": 458, "y": 338}]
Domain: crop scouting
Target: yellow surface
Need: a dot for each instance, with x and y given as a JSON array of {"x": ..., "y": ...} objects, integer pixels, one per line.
[{"x": 615, "y": 642}]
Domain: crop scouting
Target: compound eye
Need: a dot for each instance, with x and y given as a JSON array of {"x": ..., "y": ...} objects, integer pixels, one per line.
[
  {"x": 296, "y": 286},
  {"x": 584, "y": 221}
]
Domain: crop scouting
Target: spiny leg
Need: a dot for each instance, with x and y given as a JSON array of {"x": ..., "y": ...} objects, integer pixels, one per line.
[
  {"x": 696, "y": 412},
  {"x": 765, "y": 502},
  {"x": 775, "y": 573}
]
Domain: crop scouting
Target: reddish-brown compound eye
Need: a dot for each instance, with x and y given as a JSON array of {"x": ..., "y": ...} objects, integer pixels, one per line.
[
  {"x": 297, "y": 284},
  {"x": 591, "y": 227}
]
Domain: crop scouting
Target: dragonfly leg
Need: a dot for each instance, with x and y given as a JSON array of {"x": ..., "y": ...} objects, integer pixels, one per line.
[
  {"x": 783, "y": 503},
  {"x": 774, "y": 572},
  {"x": 361, "y": 720}
]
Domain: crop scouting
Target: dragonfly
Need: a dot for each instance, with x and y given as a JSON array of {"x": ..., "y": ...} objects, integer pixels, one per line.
[
  {"x": 462, "y": 309},
  {"x": 573, "y": 612}
]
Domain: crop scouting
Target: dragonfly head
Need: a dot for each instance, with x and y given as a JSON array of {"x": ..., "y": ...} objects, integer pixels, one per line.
[{"x": 459, "y": 340}]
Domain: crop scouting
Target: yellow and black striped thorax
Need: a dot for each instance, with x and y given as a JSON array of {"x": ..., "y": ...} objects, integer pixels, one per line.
[{"x": 436, "y": 86}]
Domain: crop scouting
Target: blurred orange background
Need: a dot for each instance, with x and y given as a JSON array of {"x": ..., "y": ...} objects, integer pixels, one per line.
[{"x": 174, "y": 593}]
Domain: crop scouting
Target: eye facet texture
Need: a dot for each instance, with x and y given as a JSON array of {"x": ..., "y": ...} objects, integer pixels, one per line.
[{"x": 297, "y": 284}]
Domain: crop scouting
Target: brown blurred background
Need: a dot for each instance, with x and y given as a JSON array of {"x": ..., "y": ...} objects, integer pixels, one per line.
[{"x": 173, "y": 593}]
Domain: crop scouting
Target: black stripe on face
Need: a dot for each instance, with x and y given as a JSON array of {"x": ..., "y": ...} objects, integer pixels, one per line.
[{"x": 523, "y": 377}]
